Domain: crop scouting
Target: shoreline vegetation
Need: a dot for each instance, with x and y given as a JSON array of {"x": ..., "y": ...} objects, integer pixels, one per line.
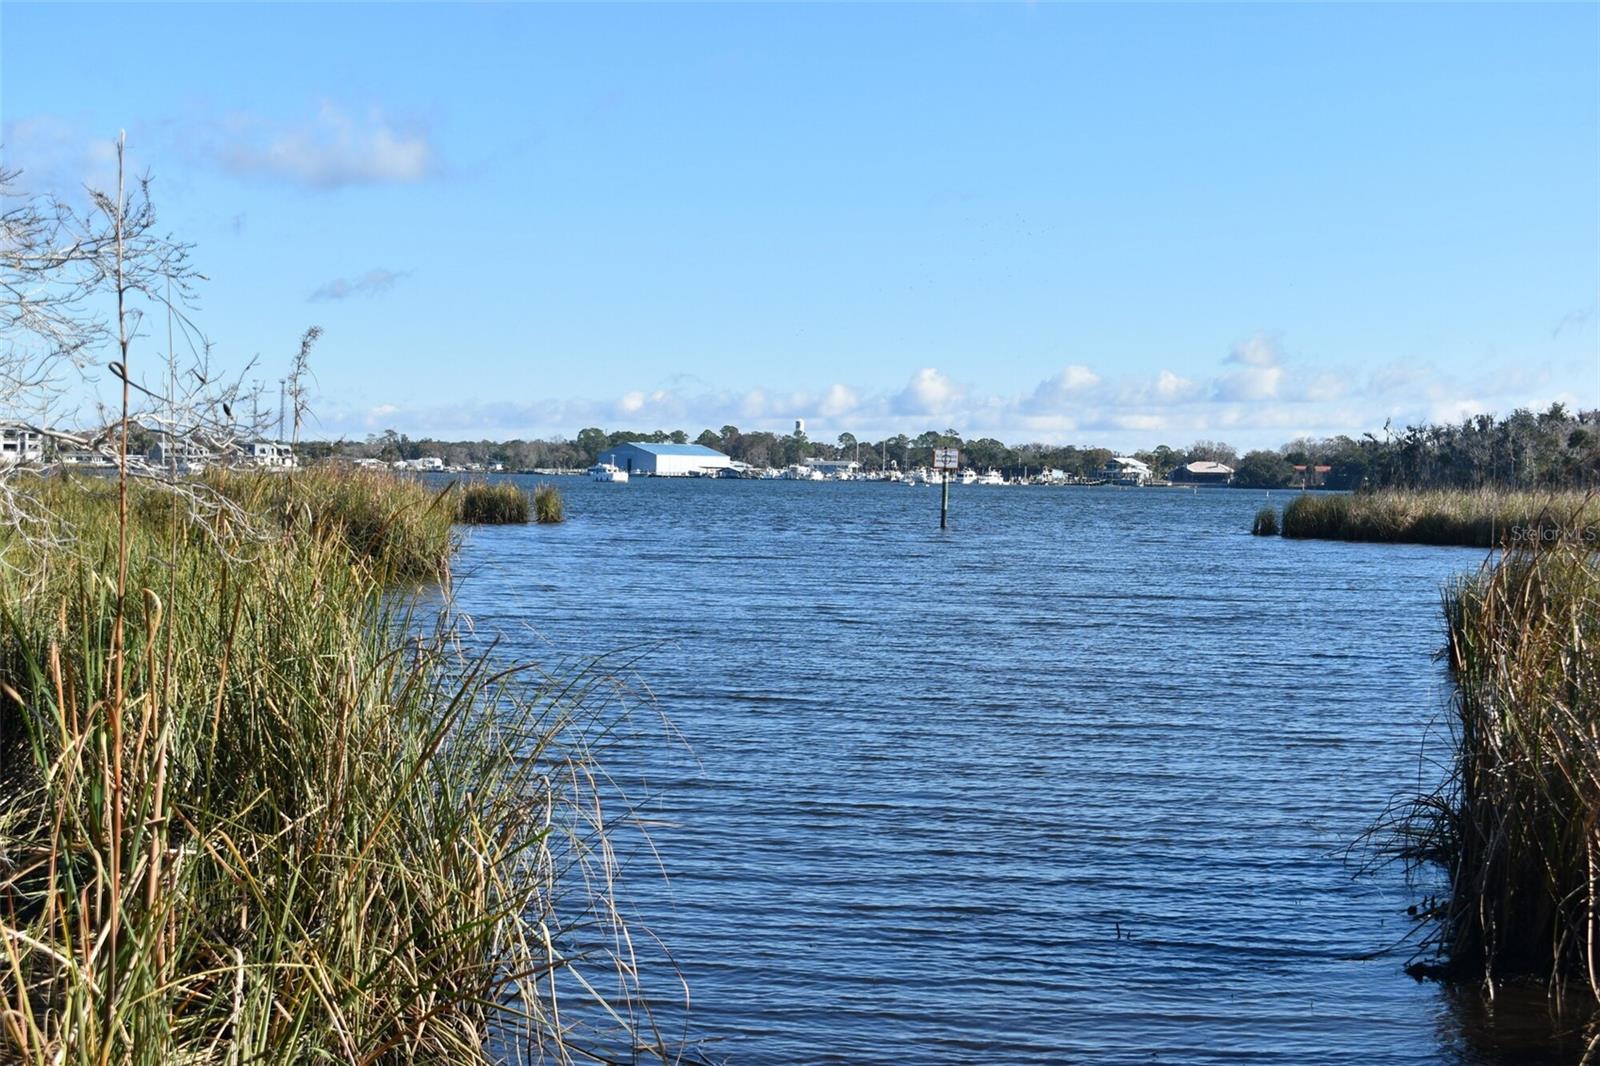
[
  {"x": 548, "y": 506},
  {"x": 259, "y": 804},
  {"x": 1516, "y": 825},
  {"x": 1483, "y": 518},
  {"x": 484, "y": 504},
  {"x": 1554, "y": 448},
  {"x": 264, "y": 808}
]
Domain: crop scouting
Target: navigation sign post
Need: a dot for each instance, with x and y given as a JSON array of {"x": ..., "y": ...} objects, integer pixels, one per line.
[{"x": 945, "y": 460}]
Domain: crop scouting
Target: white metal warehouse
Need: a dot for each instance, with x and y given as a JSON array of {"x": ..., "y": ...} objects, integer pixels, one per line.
[{"x": 665, "y": 460}]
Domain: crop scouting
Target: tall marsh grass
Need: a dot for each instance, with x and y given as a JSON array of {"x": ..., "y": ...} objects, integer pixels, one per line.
[
  {"x": 548, "y": 505},
  {"x": 256, "y": 811},
  {"x": 1266, "y": 523},
  {"x": 502, "y": 503},
  {"x": 395, "y": 522},
  {"x": 1517, "y": 826},
  {"x": 1485, "y": 518}
]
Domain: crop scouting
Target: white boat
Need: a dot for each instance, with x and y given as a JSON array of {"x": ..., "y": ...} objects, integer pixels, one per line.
[
  {"x": 608, "y": 472},
  {"x": 969, "y": 476},
  {"x": 992, "y": 478}
]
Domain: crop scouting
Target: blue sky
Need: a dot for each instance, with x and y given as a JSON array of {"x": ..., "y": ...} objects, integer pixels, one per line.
[{"x": 1100, "y": 224}]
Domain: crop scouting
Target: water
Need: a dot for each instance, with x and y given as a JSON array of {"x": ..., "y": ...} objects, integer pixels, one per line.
[{"x": 1075, "y": 780}]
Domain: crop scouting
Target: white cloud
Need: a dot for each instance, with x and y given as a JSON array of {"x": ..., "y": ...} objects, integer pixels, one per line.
[
  {"x": 1253, "y": 398},
  {"x": 839, "y": 400},
  {"x": 1170, "y": 386},
  {"x": 56, "y": 157},
  {"x": 1454, "y": 410},
  {"x": 1251, "y": 383},
  {"x": 328, "y": 151},
  {"x": 1065, "y": 388},
  {"x": 1323, "y": 386},
  {"x": 753, "y": 404},
  {"x": 1259, "y": 350},
  {"x": 1261, "y": 370},
  {"x": 1075, "y": 378},
  {"x": 927, "y": 393}
]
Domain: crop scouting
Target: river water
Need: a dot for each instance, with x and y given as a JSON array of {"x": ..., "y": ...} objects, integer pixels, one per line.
[{"x": 1075, "y": 780}]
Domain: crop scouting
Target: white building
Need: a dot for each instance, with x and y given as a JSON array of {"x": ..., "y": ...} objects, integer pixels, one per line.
[
  {"x": 272, "y": 455},
  {"x": 425, "y": 463},
  {"x": 666, "y": 460},
  {"x": 1125, "y": 470},
  {"x": 19, "y": 446},
  {"x": 834, "y": 467},
  {"x": 1203, "y": 473},
  {"x": 83, "y": 457},
  {"x": 184, "y": 456}
]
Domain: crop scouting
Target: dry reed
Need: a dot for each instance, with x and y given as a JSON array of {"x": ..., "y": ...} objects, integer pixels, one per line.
[
  {"x": 1516, "y": 827},
  {"x": 1484, "y": 518},
  {"x": 284, "y": 819}
]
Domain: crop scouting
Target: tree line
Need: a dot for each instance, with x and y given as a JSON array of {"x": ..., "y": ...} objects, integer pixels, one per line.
[{"x": 1556, "y": 448}]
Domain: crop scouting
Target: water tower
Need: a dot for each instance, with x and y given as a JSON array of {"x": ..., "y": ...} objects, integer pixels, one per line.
[{"x": 799, "y": 427}]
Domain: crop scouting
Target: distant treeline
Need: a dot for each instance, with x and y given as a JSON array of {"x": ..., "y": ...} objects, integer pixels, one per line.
[{"x": 1554, "y": 449}]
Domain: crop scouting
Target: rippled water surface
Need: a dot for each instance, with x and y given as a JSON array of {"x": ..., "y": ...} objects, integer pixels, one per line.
[{"x": 1074, "y": 780}]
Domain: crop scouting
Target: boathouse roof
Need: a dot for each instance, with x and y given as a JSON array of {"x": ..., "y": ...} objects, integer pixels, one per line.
[{"x": 666, "y": 449}]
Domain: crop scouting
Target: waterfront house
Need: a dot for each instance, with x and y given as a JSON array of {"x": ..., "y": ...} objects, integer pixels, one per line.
[
  {"x": 82, "y": 457},
  {"x": 1312, "y": 476},
  {"x": 665, "y": 460},
  {"x": 269, "y": 455},
  {"x": 834, "y": 467},
  {"x": 1203, "y": 473},
  {"x": 20, "y": 446},
  {"x": 1125, "y": 470},
  {"x": 181, "y": 455}
]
